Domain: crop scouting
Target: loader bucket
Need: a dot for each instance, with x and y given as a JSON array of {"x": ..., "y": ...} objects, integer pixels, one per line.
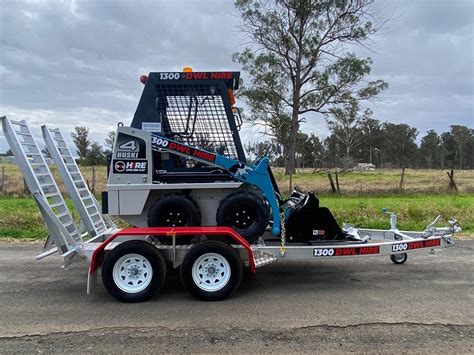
[{"x": 309, "y": 222}]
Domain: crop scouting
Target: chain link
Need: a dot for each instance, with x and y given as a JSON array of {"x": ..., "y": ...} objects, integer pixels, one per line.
[{"x": 283, "y": 234}]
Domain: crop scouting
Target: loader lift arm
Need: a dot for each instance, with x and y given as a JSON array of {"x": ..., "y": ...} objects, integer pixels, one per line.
[{"x": 258, "y": 175}]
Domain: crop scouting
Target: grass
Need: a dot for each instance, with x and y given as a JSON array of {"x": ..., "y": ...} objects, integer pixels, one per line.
[
  {"x": 363, "y": 195},
  {"x": 414, "y": 212},
  {"x": 380, "y": 181},
  {"x": 20, "y": 218}
]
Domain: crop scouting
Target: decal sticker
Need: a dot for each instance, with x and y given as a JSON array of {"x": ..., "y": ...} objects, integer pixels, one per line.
[
  {"x": 130, "y": 166},
  {"x": 153, "y": 127},
  {"x": 323, "y": 252},
  {"x": 197, "y": 76},
  {"x": 130, "y": 147},
  {"x": 160, "y": 143},
  {"x": 327, "y": 252},
  {"x": 416, "y": 245},
  {"x": 170, "y": 76},
  {"x": 119, "y": 166}
]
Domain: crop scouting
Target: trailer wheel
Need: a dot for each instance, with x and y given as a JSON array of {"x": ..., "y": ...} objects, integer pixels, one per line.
[
  {"x": 245, "y": 212},
  {"x": 134, "y": 271},
  {"x": 174, "y": 210},
  {"x": 399, "y": 258},
  {"x": 211, "y": 271}
]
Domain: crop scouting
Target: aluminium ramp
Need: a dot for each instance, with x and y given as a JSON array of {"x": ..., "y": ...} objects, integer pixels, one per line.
[
  {"x": 63, "y": 231},
  {"x": 83, "y": 199}
]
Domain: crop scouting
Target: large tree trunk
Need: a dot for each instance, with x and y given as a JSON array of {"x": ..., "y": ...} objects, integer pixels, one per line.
[{"x": 294, "y": 128}]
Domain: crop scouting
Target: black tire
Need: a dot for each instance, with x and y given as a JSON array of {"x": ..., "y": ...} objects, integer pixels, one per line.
[
  {"x": 211, "y": 255},
  {"x": 119, "y": 256},
  {"x": 245, "y": 212},
  {"x": 174, "y": 210},
  {"x": 399, "y": 258}
]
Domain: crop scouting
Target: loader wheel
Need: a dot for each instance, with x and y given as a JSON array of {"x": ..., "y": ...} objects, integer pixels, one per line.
[
  {"x": 134, "y": 271},
  {"x": 211, "y": 271},
  {"x": 399, "y": 258},
  {"x": 174, "y": 210},
  {"x": 245, "y": 212}
]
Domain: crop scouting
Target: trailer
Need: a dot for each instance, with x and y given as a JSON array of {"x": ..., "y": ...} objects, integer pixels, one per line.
[{"x": 180, "y": 177}]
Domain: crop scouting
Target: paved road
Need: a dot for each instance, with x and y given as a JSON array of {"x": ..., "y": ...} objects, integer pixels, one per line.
[{"x": 426, "y": 305}]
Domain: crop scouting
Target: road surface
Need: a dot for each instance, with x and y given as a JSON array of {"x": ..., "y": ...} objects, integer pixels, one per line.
[{"x": 425, "y": 305}]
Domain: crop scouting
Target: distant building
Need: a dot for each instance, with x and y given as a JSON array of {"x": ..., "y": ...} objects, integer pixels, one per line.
[{"x": 364, "y": 167}]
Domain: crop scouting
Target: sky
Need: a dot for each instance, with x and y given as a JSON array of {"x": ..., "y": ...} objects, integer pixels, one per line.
[{"x": 70, "y": 63}]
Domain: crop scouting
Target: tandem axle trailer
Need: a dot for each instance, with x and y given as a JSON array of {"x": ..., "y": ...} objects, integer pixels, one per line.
[{"x": 133, "y": 262}]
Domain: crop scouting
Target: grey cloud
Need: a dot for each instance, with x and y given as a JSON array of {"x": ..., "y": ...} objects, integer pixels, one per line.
[{"x": 71, "y": 63}]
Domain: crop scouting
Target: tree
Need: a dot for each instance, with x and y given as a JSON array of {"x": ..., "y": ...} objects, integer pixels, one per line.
[
  {"x": 262, "y": 149},
  {"x": 461, "y": 136},
  {"x": 430, "y": 149},
  {"x": 298, "y": 64},
  {"x": 399, "y": 143},
  {"x": 95, "y": 155},
  {"x": 9, "y": 152},
  {"x": 80, "y": 137},
  {"x": 371, "y": 130},
  {"x": 310, "y": 150},
  {"x": 345, "y": 123},
  {"x": 109, "y": 142}
]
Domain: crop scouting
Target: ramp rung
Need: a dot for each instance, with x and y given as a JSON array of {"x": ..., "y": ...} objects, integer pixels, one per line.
[
  {"x": 64, "y": 214},
  {"x": 28, "y": 144},
  {"x": 54, "y": 205},
  {"x": 18, "y": 123},
  {"x": 52, "y": 194},
  {"x": 24, "y": 134}
]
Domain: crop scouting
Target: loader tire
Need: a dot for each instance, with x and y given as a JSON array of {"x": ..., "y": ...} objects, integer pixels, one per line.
[
  {"x": 245, "y": 212},
  {"x": 174, "y": 210}
]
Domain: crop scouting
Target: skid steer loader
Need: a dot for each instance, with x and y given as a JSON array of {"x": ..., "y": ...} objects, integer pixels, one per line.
[{"x": 181, "y": 163}]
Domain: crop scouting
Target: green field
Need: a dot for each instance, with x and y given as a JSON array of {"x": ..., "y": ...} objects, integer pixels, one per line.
[{"x": 20, "y": 218}]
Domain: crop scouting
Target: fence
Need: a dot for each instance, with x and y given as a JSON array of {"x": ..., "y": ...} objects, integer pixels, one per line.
[{"x": 364, "y": 182}]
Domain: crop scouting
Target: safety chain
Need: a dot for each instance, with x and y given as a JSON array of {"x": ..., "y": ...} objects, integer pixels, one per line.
[{"x": 283, "y": 234}]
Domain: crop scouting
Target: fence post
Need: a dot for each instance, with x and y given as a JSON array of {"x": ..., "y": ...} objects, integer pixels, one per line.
[
  {"x": 333, "y": 188},
  {"x": 452, "y": 184},
  {"x": 337, "y": 183},
  {"x": 2, "y": 184},
  {"x": 26, "y": 191},
  {"x": 400, "y": 186}
]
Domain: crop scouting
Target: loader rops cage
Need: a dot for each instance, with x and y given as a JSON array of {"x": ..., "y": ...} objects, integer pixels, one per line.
[{"x": 179, "y": 175}]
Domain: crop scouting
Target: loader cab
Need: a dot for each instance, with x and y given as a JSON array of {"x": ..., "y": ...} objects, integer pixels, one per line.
[{"x": 195, "y": 108}]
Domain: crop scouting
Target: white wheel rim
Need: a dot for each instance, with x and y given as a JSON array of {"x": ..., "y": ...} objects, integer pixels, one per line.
[
  {"x": 132, "y": 273},
  {"x": 399, "y": 257},
  {"x": 211, "y": 272}
]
